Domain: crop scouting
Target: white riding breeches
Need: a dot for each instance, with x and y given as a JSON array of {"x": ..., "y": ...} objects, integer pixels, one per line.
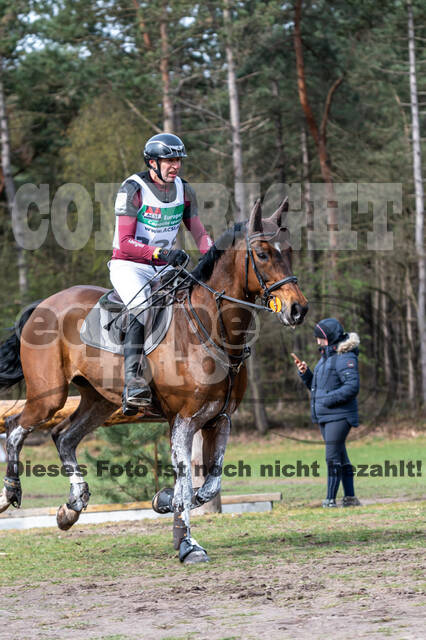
[{"x": 128, "y": 279}]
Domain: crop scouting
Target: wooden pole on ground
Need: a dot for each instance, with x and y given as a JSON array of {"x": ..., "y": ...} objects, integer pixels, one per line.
[{"x": 12, "y": 407}]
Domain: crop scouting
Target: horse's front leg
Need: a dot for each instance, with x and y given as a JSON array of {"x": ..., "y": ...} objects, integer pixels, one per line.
[
  {"x": 183, "y": 497},
  {"x": 214, "y": 445}
]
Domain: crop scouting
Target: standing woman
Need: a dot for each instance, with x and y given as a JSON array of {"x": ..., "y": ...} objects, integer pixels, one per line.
[{"x": 334, "y": 386}]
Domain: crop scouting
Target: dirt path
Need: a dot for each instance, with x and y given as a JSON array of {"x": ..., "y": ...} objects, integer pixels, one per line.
[{"x": 344, "y": 596}]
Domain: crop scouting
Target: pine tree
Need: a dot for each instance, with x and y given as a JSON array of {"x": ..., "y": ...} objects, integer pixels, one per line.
[{"x": 133, "y": 463}]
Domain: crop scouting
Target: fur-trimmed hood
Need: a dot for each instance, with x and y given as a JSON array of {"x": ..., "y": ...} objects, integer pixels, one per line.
[{"x": 350, "y": 343}]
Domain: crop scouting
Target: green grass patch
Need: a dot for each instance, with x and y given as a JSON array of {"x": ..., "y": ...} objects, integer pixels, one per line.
[
  {"x": 254, "y": 456},
  {"x": 246, "y": 540}
]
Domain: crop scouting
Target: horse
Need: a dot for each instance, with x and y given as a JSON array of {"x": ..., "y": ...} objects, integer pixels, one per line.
[{"x": 212, "y": 318}]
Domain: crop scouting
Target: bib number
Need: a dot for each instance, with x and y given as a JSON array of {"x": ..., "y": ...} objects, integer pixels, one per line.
[{"x": 158, "y": 243}]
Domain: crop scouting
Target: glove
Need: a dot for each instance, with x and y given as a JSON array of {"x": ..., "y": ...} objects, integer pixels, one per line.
[{"x": 173, "y": 257}]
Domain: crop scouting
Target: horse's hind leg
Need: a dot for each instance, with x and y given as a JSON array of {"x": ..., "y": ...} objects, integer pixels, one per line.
[
  {"x": 37, "y": 410},
  {"x": 12, "y": 492},
  {"x": 91, "y": 413}
]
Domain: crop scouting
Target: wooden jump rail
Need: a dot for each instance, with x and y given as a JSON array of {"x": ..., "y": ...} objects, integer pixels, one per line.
[
  {"x": 140, "y": 506},
  {"x": 12, "y": 407}
]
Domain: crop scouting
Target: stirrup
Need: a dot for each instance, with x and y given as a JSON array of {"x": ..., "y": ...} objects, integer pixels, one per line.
[
  {"x": 128, "y": 410},
  {"x": 137, "y": 392},
  {"x": 141, "y": 397}
]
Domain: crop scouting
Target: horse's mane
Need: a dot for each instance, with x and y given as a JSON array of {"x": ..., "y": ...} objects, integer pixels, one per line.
[{"x": 205, "y": 266}]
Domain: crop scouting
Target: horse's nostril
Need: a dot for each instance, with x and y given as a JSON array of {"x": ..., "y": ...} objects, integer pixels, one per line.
[{"x": 297, "y": 311}]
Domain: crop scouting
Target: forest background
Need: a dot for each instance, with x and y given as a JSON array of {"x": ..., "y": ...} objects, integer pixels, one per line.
[{"x": 263, "y": 93}]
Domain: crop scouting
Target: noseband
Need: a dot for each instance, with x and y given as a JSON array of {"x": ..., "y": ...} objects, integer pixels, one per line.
[{"x": 266, "y": 291}]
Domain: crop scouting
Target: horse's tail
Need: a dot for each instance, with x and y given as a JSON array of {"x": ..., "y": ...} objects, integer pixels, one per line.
[{"x": 10, "y": 359}]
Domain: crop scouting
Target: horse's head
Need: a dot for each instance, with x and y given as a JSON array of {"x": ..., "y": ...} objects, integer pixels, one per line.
[{"x": 268, "y": 265}]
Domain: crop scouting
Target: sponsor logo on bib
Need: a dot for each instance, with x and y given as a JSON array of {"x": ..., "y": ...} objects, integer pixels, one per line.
[{"x": 152, "y": 213}]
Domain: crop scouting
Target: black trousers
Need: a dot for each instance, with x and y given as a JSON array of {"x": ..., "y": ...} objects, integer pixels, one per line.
[
  {"x": 334, "y": 435},
  {"x": 339, "y": 467}
]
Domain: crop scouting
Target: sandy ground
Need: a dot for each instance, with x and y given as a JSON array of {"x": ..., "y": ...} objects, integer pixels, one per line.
[{"x": 344, "y": 596}]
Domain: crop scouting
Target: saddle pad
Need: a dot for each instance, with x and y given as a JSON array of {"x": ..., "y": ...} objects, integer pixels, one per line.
[{"x": 95, "y": 332}]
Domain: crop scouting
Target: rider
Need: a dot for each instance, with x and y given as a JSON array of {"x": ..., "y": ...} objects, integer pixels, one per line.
[{"x": 149, "y": 209}]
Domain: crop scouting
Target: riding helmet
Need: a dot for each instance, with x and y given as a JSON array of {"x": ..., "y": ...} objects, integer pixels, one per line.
[{"x": 163, "y": 145}]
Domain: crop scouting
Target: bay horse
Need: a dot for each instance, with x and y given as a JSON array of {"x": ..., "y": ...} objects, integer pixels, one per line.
[{"x": 198, "y": 371}]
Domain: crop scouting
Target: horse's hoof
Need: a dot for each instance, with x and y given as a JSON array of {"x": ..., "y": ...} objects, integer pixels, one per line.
[
  {"x": 4, "y": 501},
  {"x": 66, "y": 517},
  {"x": 190, "y": 552},
  {"x": 162, "y": 501},
  {"x": 196, "y": 556},
  {"x": 13, "y": 490}
]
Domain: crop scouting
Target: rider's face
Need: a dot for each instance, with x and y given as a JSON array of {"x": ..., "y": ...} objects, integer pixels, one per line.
[{"x": 169, "y": 168}]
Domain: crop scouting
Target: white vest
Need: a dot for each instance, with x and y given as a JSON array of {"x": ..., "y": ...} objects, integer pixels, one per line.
[{"x": 158, "y": 222}]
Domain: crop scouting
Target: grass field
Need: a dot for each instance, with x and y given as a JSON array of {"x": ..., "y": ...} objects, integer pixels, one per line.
[
  {"x": 291, "y": 573},
  {"x": 296, "y": 534},
  {"x": 369, "y": 456}
]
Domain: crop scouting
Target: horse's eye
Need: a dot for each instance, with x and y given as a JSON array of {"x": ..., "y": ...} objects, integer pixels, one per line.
[{"x": 262, "y": 255}]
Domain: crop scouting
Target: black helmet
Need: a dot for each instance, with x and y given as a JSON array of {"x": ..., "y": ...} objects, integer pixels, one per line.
[{"x": 163, "y": 145}]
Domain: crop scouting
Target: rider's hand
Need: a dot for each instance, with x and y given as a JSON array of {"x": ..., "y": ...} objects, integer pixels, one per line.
[
  {"x": 302, "y": 367},
  {"x": 174, "y": 257}
]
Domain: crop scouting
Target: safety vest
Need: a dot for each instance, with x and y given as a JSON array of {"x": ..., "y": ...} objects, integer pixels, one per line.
[{"x": 158, "y": 222}]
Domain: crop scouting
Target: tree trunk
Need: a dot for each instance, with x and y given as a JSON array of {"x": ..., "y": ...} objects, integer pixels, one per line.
[
  {"x": 410, "y": 351},
  {"x": 168, "y": 111},
  {"x": 253, "y": 369},
  {"x": 168, "y": 120},
  {"x": 279, "y": 135},
  {"x": 234, "y": 109},
  {"x": 306, "y": 201},
  {"x": 384, "y": 325},
  {"x": 418, "y": 188},
  {"x": 10, "y": 192},
  {"x": 141, "y": 23},
  {"x": 318, "y": 133}
]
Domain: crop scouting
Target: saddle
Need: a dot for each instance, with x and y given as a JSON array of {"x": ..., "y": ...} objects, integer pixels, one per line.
[{"x": 105, "y": 325}]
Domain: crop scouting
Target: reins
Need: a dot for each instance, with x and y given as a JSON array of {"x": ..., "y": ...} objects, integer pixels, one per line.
[{"x": 218, "y": 352}]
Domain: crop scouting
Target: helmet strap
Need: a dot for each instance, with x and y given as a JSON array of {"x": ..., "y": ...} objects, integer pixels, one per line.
[{"x": 157, "y": 170}]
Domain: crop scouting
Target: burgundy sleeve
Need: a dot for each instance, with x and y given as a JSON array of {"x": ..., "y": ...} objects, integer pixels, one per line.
[
  {"x": 130, "y": 247},
  {"x": 200, "y": 235}
]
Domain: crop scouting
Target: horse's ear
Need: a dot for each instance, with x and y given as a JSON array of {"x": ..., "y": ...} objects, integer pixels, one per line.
[
  {"x": 276, "y": 217},
  {"x": 255, "y": 220}
]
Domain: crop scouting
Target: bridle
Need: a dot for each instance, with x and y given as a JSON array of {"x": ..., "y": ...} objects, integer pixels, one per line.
[
  {"x": 219, "y": 296},
  {"x": 266, "y": 291}
]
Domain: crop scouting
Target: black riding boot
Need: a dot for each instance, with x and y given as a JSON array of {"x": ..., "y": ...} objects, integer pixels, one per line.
[{"x": 136, "y": 389}]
